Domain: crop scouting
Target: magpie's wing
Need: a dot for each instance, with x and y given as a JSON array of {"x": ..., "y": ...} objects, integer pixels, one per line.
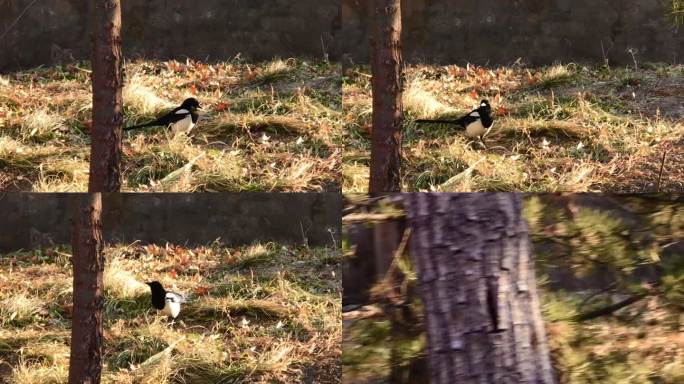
[
  {"x": 469, "y": 118},
  {"x": 424, "y": 121},
  {"x": 173, "y": 116},
  {"x": 166, "y": 120},
  {"x": 175, "y": 297},
  {"x": 463, "y": 121}
]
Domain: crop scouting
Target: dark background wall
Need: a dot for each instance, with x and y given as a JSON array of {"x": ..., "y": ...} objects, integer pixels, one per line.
[
  {"x": 538, "y": 31},
  {"x": 31, "y": 220},
  {"x": 443, "y": 31},
  {"x": 53, "y": 31}
]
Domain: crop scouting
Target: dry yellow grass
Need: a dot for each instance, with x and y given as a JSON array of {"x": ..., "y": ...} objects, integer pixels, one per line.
[
  {"x": 264, "y": 313},
  {"x": 268, "y": 126},
  {"x": 558, "y": 128}
]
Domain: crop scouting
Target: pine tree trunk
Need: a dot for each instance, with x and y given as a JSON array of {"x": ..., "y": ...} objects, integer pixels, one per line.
[
  {"x": 106, "y": 132},
  {"x": 385, "y": 175},
  {"x": 476, "y": 280},
  {"x": 88, "y": 259}
]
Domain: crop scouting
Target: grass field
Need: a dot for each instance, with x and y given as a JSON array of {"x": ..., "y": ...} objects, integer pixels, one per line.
[
  {"x": 558, "y": 128},
  {"x": 265, "y": 313},
  {"x": 268, "y": 126}
]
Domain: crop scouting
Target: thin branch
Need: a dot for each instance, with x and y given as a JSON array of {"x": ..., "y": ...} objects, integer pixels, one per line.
[
  {"x": 609, "y": 309},
  {"x": 368, "y": 217},
  {"x": 599, "y": 292},
  {"x": 17, "y": 19},
  {"x": 398, "y": 253}
]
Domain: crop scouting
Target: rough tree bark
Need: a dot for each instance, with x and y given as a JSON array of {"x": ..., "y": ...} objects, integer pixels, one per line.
[
  {"x": 105, "y": 152},
  {"x": 476, "y": 280},
  {"x": 385, "y": 172},
  {"x": 86, "y": 330}
]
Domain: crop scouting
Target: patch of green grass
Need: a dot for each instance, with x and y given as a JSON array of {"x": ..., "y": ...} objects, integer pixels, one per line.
[{"x": 366, "y": 350}]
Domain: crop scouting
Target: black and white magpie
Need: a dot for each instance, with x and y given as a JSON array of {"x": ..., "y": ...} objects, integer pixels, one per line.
[
  {"x": 181, "y": 119},
  {"x": 477, "y": 123},
  {"x": 166, "y": 301}
]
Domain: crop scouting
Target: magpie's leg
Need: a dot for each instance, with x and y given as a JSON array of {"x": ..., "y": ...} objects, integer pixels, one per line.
[{"x": 483, "y": 142}]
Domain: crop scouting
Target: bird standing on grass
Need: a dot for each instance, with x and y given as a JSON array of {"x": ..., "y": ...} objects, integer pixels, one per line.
[
  {"x": 181, "y": 119},
  {"x": 477, "y": 123},
  {"x": 163, "y": 300}
]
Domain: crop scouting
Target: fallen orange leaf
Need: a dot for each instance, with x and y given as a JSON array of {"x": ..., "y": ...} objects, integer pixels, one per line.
[
  {"x": 201, "y": 291},
  {"x": 69, "y": 309}
]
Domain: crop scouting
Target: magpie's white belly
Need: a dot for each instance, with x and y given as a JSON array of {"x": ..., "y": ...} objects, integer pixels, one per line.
[
  {"x": 475, "y": 129},
  {"x": 487, "y": 130},
  {"x": 183, "y": 126},
  {"x": 171, "y": 308}
]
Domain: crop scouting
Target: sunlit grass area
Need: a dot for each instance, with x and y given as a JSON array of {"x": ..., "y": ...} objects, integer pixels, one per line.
[
  {"x": 557, "y": 128},
  {"x": 264, "y": 313},
  {"x": 268, "y": 126}
]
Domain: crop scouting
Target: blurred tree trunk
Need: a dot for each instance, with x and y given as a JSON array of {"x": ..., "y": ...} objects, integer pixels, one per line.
[
  {"x": 387, "y": 236},
  {"x": 106, "y": 132},
  {"x": 476, "y": 280},
  {"x": 86, "y": 330},
  {"x": 386, "y": 63},
  {"x": 358, "y": 273}
]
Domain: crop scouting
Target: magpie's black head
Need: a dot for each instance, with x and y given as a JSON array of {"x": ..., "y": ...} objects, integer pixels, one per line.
[
  {"x": 484, "y": 105},
  {"x": 191, "y": 104},
  {"x": 158, "y": 294}
]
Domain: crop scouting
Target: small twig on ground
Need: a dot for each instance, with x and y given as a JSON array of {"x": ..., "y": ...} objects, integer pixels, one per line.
[
  {"x": 332, "y": 232},
  {"x": 305, "y": 238},
  {"x": 325, "y": 51},
  {"x": 605, "y": 55},
  {"x": 154, "y": 359},
  {"x": 463, "y": 175},
  {"x": 660, "y": 174},
  {"x": 633, "y": 52}
]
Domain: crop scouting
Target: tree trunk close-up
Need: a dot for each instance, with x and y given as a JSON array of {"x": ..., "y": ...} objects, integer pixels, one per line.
[
  {"x": 386, "y": 67},
  {"x": 477, "y": 282},
  {"x": 88, "y": 260},
  {"x": 106, "y": 132}
]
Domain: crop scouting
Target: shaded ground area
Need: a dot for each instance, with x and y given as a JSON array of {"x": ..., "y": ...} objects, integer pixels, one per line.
[
  {"x": 559, "y": 128},
  {"x": 258, "y": 314},
  {"x": 266, "y": 127}
]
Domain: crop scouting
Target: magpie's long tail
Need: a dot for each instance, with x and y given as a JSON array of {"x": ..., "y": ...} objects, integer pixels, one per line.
[
  {"x": 457, "y": 122},
  {"x": 150, "y": 124}
]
